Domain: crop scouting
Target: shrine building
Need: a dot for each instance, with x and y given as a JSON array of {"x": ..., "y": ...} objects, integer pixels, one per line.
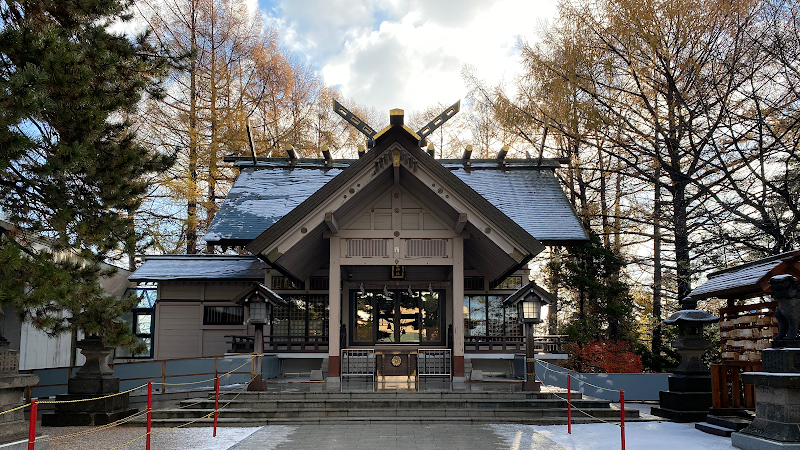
[{"x": 396, "y": 251}]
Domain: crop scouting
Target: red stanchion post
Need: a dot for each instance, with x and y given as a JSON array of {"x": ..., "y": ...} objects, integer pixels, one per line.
[
  {"x": 569, "y": 404},
  {"x": 622, "y": 417},
  {"x": 216, "y": 404},
  {"x": 32, "y": 427},
  {"x": 149, "y": 410}
]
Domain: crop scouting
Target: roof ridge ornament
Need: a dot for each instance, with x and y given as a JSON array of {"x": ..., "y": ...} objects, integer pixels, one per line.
[
  {"x": 356, "y": 121},
  {"x": 448, "y": 113}
]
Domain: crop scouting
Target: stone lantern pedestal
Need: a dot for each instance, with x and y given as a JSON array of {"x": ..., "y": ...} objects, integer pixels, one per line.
[
  {"x": 689, "y": 396},
  {"x": 777, "y": 421},
  {"x": 13, "y": 426},
  {"x": 94, "y": 379}
]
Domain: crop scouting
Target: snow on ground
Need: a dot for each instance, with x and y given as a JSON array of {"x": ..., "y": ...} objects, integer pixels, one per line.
[
  {"x": 202, "y": 438},
  {"x": 638, "y": 436},
  {"x": 181, "y": 438}
]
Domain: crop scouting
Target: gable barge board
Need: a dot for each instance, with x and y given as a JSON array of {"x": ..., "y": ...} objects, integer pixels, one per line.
[
  {"x": 350, "y": 207},
  {"x": 312, "y": 251},
  {"x": 485, "y": 256},
  {"x": 509, "y": 227},
  {"x": 305, "y": 257}
]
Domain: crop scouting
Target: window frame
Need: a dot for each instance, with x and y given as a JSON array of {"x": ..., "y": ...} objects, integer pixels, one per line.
[
  {"x": 206, "y": 322},
  {"x": 307, "y": 299},
  {"x": 510, "y": 322},
  {"x": 351, "y": 338}
]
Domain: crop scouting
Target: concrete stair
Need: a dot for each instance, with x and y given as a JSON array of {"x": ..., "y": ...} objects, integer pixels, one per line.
[
  {"x": 723, "y": 425},
  {"x": 260, "y": 408},
  {"x": 324, "y": 367}
]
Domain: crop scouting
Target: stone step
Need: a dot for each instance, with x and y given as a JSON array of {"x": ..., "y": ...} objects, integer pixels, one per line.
[
  {"x": 189, "y": 414},
  {"x": 381, "y": 403},
  {"x": 369, "y": 418},
  {"x": 323, "y": 396},
  {"x": 716, "y": 430},
  {"x": 732, "y": 422}
]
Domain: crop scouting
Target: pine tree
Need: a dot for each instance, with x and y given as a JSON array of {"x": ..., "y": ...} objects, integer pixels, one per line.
[{"x": 70, "y": 168}]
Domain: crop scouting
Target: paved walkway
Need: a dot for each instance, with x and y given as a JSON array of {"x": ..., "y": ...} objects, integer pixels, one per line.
[{"x": 394, "y": 436}]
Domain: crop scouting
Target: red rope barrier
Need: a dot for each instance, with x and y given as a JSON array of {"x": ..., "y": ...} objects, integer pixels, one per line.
[
  {"x": 216, "y": 404},
  {"x": 149, "y": 410},
  {"x": 569, "y": 404},
  {"x": 32, "y": 427},
  {"x": 622, "y": 417}
]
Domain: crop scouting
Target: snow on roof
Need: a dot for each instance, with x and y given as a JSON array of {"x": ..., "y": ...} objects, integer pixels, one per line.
[
  {"x": 199, "y": 267},
  {"x": 741, "y": 277},
  {"x": 530, "y": 196},
  {"x": 260, "y": 197}
]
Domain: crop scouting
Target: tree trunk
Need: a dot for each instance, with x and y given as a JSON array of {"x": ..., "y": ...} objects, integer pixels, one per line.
[
  {"x": 682, "y": 258},
  {"x": 191, "y": 198},
  {"x": 656, "y": 343}
]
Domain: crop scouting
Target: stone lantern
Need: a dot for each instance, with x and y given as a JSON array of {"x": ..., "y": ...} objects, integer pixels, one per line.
[
  {"x": 529, "y": 300},
  {"x": 689, "y": 396},
  {"x": 259, "y": 301}
]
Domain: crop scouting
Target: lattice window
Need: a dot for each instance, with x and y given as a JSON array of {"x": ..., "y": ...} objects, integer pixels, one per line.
[
  {"x": 426, "y": 248},
  {"x": 368, "y": 248}
]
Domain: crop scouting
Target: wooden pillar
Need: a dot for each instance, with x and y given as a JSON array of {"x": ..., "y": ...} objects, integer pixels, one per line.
[
  {"x": 458, "y": 307},
  {"x": 335, "y": 308}
]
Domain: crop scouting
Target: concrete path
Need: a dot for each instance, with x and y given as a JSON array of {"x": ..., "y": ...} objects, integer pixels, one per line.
[{"x": 393, "y": 436}]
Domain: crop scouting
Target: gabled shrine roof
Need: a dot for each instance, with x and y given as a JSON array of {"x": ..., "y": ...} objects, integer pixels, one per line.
[
  {"x": 525, "y": 190},
  {"x": 531, "y": 197},
  {"x": 199, "y": 267},
  {"x": 749, "y": 279},
  {"x": 262, "y": 195}
]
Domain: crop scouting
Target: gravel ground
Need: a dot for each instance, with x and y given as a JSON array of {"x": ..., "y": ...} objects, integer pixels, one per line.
[{"x": 182, "y": 438}]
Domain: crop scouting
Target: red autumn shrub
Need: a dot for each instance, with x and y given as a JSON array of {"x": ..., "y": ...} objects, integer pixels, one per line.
[{"x": 602, "y": 356}]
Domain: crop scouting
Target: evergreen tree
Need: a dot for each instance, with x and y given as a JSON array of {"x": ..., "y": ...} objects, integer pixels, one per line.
[
  {"x": 603, "y": 302},
  {"x": 70, "y": 168}
]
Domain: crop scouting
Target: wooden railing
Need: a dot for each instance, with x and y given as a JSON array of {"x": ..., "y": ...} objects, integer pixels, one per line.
[
  {"x": 245, "y": 344},
  {"x": 474, "y": 344},
  {"x": 728, "y": 392},
  {"x": 514, "y": 344}
]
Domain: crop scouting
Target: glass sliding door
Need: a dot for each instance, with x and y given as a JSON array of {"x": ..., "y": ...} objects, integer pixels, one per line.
[
  {"x": 431, "y": 317},
  {"x": 386, "y": 320},
  {"x": 317, "y": 315},
  {"x": 397, "y": 316},
  {"x": 409, "y": 317},
  {"x": 363, "y": 317}
]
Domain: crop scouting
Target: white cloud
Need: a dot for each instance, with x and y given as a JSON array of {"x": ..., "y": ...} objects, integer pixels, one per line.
[{"x": 408, "y": 55}]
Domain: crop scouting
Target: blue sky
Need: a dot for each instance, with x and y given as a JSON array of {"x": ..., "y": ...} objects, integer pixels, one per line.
[{"x": 406, "y": 54}]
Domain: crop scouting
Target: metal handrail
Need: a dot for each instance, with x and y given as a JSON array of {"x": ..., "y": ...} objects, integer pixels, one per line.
[
  {"x": 434, "y": 362},
  {"x": 358, "y": 362}
]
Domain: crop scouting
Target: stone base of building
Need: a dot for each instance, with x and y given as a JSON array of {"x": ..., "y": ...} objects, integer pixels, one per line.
[{"x": 748, "y": 442}]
